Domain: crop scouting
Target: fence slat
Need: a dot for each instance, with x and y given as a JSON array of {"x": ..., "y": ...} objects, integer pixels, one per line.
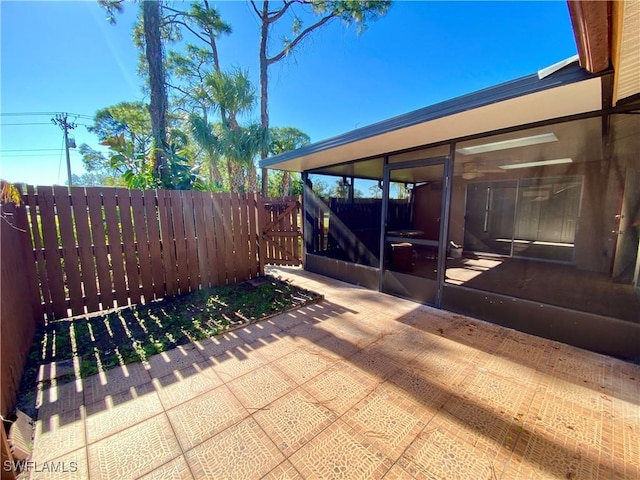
[
  {"x": 142, "y": 245},
  {"x": 181, "y": 245},
  {"x": 212, "y": 260},
  {"x": 115, "y": 246},
  {"x": 85, "y": 250},
  {"x": 167, "y": 243},
  {"x": 190, "y": 237},
  {"x": 128, "y": 241},
  {"x": 228, "y": 237},
  {"x": 94, "y": 201},
  {"x": 253, "y": 238},
  {"x": 201, "y": 239},
  {"x": 262, "y": 244},
  {"x": 239, "y": 250},
  {"x": 69, "y": 249},
  {"x": 218, "y": 221},
  {"x": 151, "y": 214},
  {"x": 34, "y": 217},
  {"x": 52, "y": 252}
]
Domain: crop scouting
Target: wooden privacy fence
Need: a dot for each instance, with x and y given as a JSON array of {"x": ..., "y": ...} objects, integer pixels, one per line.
[
  {"x": 280, "y": 232},
  {"x": 96, "y": 248}
]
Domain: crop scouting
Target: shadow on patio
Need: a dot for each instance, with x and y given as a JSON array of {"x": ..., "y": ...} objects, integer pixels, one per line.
[{"x": 362, "y": 385}]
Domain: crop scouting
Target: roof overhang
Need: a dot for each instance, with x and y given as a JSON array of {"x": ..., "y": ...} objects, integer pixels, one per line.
[
  {"x": 607, "y": 34},
  {"x": 568, "y": 92}
]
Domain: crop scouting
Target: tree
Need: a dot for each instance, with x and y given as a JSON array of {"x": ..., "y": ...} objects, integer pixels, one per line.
[
  {"x": 284, "y": 139},
  {"x": 350, "y": 11},
  {"x": 157, "y": 87},
  {"x": 154, "y": 54}
]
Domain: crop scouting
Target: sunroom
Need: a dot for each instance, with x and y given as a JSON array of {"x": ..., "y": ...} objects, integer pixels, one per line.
[{"x": 518, "y": 204}]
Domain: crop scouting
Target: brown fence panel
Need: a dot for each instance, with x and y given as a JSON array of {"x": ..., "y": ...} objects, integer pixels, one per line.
[
  {"x": 94, "y": 200},
  {"x": 227, "y": 224},
  {"x": 252, "y": 221},
  {"x": 95, "y": 248},
  {"x": 153, "y": 236},
  {"x": 18, "y": 320},
  {"x": 167, "y": 243},
  {"x": 85, "y": 249},
  {"x": 190, "y": 237},
  {"x": 280, "y": 232},
  {"x": 221, "y": 241},
  {"x": 129, "y": 244},
  {"x": 180, "y": 241},
  {"x": 142, "y": 244},
  {"x": 52, "y": 252},
  {"x": 37, "y": 244},
  {"x": 236, "y": 232},
  {"x": 69, "y": 249},
  {"x": 115, "y": 246},
  {"x": 201, "y": 239},
  {"x": 212, "y": 259}
]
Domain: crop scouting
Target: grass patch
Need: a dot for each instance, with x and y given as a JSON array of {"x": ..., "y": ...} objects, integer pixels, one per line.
[{"x": 133, "y": 334}]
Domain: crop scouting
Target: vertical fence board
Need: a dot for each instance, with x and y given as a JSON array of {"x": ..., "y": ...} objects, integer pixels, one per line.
[
  {"x": 190, "y": 234},
  {"x": 69, "y": 249},
  {"x": 212, "y": 261},
  {"x": 154, "y": 242},
  {"x": 181, "y": 244},
  {"x": 85, "y": 250},
  {"x": 201, "y": 239},
  {"x": 253, "y": 239},
  {"x": 239, "y": 250},
  {"x": 115, "y": 246},
  {"x": 262, "y": 244},
  {"x": 228, "y": 237},
  {"x": 244, "y": 233},
  {"x": 29, "y": 261},
  {"x": 218, "y": 221},
  {"x": 144, "y": 261},
  {"x": 52, "y": 252},
  {"x": 296, "y": 245},
  {"x": 36, "y": 240},
  {"x": 129, "y": 242},
  {"x": 167, "y": 243},
  {"x": 94, "y": 201}
]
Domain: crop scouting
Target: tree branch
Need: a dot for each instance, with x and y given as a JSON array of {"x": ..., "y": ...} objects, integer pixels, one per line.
[
  {"x": 255, "y": 9},
  {"x": 278, "y": 14},
  {"x": 185, "y": 25},
  {"x": 301, "y": 36}
]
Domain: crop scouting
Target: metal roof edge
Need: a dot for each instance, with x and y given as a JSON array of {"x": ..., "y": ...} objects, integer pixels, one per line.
[{"x": 522, "y": 86}]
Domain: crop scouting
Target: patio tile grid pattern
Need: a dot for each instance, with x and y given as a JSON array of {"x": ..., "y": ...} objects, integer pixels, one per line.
[{"x": 362, "y": 385}]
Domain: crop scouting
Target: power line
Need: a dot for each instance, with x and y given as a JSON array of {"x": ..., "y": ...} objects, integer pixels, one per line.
[
  {"x": 30, "y": 150},
  {"x": 16, "y": 124},
  {"x": 25, "y": 114}
]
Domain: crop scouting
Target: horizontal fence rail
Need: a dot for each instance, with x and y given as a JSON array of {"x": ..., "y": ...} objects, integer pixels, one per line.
[{"x": 98, "y": 248}]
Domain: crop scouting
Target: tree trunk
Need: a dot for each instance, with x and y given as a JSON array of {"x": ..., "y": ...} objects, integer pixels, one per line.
[
  {"x": 158, "y": 101},
  {"x": 286, "y": 184},
  {"x": 264, "y": 89}
]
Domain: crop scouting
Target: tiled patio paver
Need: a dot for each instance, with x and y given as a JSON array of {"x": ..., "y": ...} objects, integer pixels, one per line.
[{"x": 360, "y": 386}]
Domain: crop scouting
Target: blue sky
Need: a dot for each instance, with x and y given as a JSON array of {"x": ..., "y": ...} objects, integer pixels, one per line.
[{"x": 65, "y": 57}]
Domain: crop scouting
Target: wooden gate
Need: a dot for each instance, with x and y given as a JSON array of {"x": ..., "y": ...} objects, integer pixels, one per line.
[{"x": 280, "y": 232}]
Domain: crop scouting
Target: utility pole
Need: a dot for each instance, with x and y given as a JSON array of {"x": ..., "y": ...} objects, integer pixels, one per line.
[{"x": 61, "y": 120}]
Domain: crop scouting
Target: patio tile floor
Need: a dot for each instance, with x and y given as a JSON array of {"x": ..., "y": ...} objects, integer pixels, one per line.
[{"x": 359, "y": 386}]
